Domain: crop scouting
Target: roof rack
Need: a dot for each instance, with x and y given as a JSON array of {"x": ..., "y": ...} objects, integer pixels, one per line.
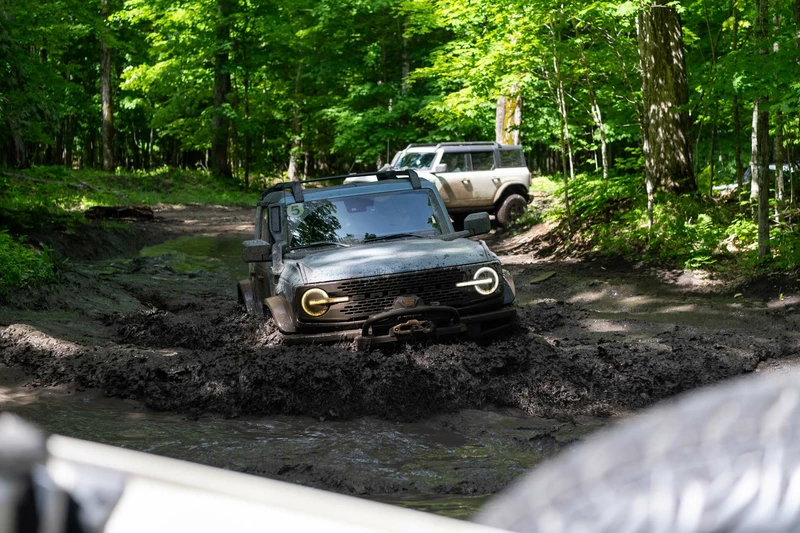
[
  {"x": 456, "y": 143},
  {"x": 297, "y": 186}
]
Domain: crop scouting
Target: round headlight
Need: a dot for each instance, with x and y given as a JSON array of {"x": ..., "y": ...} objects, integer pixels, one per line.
[
  {"x": 489, "y": 279},
  {"x": 315, "y": 302}
]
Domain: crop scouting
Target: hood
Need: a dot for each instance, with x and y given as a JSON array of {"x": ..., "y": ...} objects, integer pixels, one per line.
[{"x": 391, "y": 257}]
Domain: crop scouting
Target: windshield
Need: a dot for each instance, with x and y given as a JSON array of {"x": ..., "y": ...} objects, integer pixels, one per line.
[
  {"x": 356, "y": 219},
  {"x": 416, "y": 160}
]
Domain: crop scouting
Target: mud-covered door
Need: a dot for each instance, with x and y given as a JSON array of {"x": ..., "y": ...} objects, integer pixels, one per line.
[
  {"x": 455, "y": 184},
  {"x": 483, "y": 179}
]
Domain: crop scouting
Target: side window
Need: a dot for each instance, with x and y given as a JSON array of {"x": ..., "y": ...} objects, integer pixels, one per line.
[
  {"x": 482, "y": 160},
  {"x": 511, "y": 158},
  {"x": 455, "y": 161}
]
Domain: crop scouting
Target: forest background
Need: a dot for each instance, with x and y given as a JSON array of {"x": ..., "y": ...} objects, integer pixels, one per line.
[{"x": 653, "y": 125}]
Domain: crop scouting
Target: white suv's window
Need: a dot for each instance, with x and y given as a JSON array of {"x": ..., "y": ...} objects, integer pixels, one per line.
[
  {"x": 482, "y": 160},
  {"x": 455, "y": 161},
  {"x": 416, "y": 160},
  {"x": 511, "y": 158}
]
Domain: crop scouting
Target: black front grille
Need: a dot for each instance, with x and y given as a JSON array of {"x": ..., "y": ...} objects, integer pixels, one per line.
[
  {"x": 373, "y": 295},
  {"x": 369, "y": 296}
]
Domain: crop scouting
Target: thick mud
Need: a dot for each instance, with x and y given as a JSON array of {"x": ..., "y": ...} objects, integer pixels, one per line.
[{"x": 590, "y": 340}]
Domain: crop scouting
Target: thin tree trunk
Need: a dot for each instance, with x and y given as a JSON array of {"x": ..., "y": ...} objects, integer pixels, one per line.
[
  {"x": 248, "y": 134},
  {"x": 105, "y": 92},
  {"x": 711, "y": 154},
  {"x": 668, "y": 159},
  {"x": 754, "y": 167},
  {"x": 779, "y": 183},
  {"x": 761, "y": 135},
  {"x": 763, "y": 183},
  {"x": 737, "y": 120},
  {"x": 406, "y": 68},
  {"x": 222, "y": 86},
  {"x": 296, "y": 138},
  {"x": 596, "y": 114},
  {"x": 69, "y": 142},
  {"x": 562, "y": 107}
]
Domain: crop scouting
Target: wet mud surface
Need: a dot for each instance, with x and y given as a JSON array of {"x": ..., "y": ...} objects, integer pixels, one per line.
[{"x": 592, "y": 340}]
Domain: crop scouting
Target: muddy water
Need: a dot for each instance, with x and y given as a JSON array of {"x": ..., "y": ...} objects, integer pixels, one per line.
[
  {"x": 446, "y": 464},
  {"x": 187, "y": 254}
]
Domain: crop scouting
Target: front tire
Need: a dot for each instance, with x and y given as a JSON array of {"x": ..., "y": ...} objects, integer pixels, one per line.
[{"x": 511, "y": 209}]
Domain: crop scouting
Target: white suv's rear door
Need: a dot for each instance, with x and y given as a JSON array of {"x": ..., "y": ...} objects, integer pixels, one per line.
[
  {"x": 454, "y": 184},
  {"x": 467, "y": 183},
  {"x": 483, "y": 179}
]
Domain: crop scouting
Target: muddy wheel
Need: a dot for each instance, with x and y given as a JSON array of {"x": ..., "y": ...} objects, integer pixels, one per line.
[
  {"x": 511, "y": 208},
  {"x": 724, "y": 459}
]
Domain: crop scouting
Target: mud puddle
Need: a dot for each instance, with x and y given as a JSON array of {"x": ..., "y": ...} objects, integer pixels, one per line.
[
  {"x": 446, "y": 464},
  {"x": 202, "y": 253}
]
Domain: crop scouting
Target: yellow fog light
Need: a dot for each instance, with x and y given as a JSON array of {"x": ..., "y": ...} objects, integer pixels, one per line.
[
  {"x": 315, "y": 302},
  {"x": 485, "y": 281}
]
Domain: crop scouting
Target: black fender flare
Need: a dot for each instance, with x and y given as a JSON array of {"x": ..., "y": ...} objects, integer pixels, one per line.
[
  {"x": 511, "y": 188},
  {"x": 281, "y": 311}
]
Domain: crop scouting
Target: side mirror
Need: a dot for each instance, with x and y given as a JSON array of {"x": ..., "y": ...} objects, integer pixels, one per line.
[
  {"x": 477, "y": 223},
  {"x": 441, "y": 167},
  {"x": 256, "y": 250}
]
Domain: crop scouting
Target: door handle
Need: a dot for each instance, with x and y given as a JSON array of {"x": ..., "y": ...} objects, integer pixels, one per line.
[{"x": 465, "y": 181}]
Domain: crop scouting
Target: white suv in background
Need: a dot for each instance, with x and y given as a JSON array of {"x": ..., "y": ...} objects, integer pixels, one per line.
[{"x": 473, "y": 177}]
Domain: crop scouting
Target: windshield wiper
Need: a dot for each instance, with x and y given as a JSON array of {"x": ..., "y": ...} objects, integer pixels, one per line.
[
  {"x": 395, "y": 236},
  {"x": 322, "y": 243}
]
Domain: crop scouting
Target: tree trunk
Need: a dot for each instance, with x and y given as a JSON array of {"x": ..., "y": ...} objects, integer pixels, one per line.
[
  {"x": 668, "y": 159},
  {"x": 248, "y": 134},
  {"x": 737, "y": 150},
  {"x": 761, "y": 136},
  {"x": 737, "y": 120},
  {"x": 754, "y": 167},
  {"x": 779, "y": 183},
  {"x": 296, "y": 137},
  {"x": 508, "y": 117},
  {"x": 105, "y": 92},
  {"x": 711, "y": 152},
  {"x": 222, "y": 86},
  {"x": 597, "y": 116},
  {"x": 406, "y": 68},
  {"x": 762, "y": 149}
]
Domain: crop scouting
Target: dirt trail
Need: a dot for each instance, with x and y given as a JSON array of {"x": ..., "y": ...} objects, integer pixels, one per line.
[{"x": 591, "y": 340}]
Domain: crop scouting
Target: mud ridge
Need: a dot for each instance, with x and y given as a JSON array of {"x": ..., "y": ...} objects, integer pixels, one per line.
[{"x": 229, "y": 364}]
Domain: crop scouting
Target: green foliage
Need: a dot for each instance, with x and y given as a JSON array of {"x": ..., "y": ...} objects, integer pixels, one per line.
[
  {"x": 22, "y": 266},
  {"x": 546, "y": 184},
  {"x": 689, "y": 231},
  {"x": 57, "y": 190}
]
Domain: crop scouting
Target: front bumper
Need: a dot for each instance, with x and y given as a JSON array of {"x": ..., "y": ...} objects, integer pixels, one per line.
[{"x": 423, "y": 322}]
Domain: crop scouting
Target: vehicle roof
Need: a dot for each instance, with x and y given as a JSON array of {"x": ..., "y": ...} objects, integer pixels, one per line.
[
  {"x": 345, "y": 189},
  {"x": 469, "y": 146}
]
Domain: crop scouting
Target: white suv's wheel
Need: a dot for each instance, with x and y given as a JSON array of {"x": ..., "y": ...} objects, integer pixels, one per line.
[{"x": 511, "y": 209}]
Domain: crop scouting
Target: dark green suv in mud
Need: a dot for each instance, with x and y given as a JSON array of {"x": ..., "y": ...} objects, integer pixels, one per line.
[{"x": 374, "y": 261}]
